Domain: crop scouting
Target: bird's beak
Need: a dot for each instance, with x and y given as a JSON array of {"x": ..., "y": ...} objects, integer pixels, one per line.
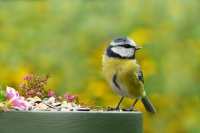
[{"x": 138, "y": 47}]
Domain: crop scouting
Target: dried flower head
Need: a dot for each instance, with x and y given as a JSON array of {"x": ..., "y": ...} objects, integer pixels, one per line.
[{"x": 34, "y": 85}]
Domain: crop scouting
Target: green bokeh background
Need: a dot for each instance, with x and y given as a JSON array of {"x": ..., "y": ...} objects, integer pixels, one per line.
[{"x": 66, "y": 39}]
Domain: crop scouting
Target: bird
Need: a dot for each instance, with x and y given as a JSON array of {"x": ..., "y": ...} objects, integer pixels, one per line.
[{"x": 124, "y": 74}]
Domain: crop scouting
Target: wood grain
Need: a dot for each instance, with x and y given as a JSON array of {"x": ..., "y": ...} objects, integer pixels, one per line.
[{"x": 71, "y": 122}]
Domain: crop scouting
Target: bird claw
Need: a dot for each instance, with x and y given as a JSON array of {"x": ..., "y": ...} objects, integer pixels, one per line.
[
  {"x": 129, "y": 110},
  {"x": 113, "y": 109}
]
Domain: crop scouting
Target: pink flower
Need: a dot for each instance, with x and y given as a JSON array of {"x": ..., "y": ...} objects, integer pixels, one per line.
[
  {"x": 69, "y": 97},
  {"x": 15, "y": 100},
  {"x": 51, "y": 93},
  {"x": 10, "y": 93},
  {"x": 28, "y": 77}
]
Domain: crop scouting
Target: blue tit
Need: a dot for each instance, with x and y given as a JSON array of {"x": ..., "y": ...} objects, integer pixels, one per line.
[{"x": 124, "y": 74}]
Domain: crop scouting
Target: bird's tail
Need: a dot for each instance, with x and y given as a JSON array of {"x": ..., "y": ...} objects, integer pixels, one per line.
[{"x": 148, "y": 105}]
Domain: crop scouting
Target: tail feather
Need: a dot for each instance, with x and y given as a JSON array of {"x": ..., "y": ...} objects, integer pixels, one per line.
[{"x": 148, "y": 105}]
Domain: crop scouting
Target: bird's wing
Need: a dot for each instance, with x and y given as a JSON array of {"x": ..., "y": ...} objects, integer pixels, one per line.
[{"x": 140, "y": 75}]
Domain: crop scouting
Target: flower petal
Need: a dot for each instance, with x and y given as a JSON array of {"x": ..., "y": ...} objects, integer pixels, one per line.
[{"x": 11, "y": 92}]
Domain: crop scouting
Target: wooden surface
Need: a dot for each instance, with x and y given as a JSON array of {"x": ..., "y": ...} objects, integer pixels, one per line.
[{"x": 71, "y": 122}]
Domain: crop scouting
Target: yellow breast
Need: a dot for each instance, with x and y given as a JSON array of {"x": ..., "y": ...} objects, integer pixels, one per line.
[{"x": 126, "y": 71}]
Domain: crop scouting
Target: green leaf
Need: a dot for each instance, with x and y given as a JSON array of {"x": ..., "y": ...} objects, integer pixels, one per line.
[{"x": 2, "y": 94}]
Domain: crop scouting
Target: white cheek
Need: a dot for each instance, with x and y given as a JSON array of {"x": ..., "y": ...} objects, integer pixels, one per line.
[
  {"x": 114, "y": 44},
  {"x": 123, "y": 52}
]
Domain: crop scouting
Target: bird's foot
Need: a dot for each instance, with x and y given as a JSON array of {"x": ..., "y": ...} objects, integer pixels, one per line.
[
  {"x": 129, "y": 109},
  {"x": 113, "y": 109}
]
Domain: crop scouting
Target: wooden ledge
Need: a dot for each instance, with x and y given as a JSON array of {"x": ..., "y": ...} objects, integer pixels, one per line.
[{"x": 71, "y": 122}]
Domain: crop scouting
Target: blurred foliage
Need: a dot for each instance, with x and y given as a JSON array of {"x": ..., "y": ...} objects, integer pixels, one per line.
[
  {"x": 67, "y": 38},
  {"x": 2, "y": 94}
]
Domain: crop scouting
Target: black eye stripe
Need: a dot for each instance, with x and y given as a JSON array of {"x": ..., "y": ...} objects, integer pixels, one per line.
[{"x": 126, "y": 46}]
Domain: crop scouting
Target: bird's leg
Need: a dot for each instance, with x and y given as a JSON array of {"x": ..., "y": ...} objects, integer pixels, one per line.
[
  {"x": 132, "y": 106},
  {"x": 118, "y": 105},
  {"x": 134, "y": 103}
]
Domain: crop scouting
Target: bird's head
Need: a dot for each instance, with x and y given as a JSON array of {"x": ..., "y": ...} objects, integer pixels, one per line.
[{"x": 123, "y": 48}]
